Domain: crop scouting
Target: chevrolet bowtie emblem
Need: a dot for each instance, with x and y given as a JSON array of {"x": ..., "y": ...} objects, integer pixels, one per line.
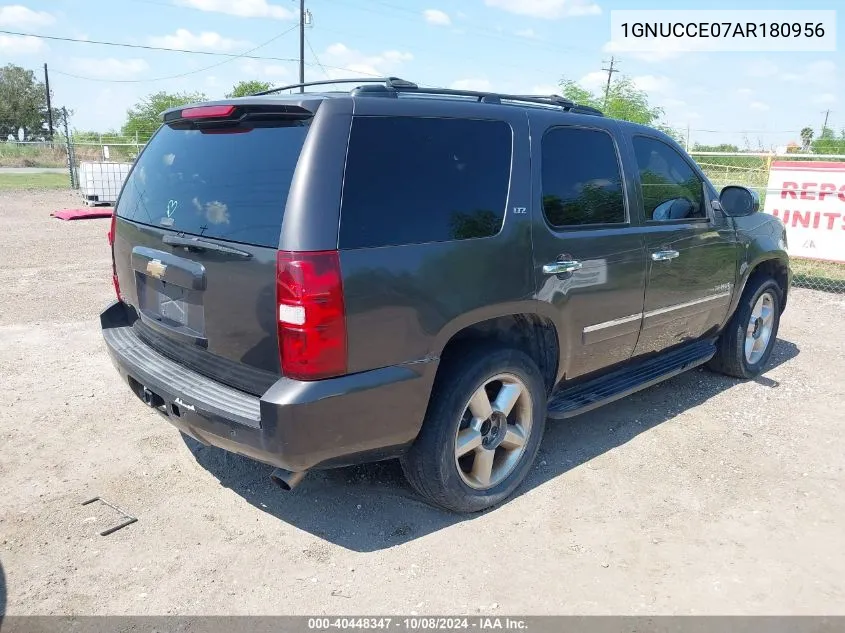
[{"x": 156, "y": 269}]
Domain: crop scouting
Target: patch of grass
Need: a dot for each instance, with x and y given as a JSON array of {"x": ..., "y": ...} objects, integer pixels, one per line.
[
  {"x": 34, "y": 181},
  {"x": 45, "y": 155},
  {"x": 818, "y": 275},
  {"x": 14, "y": 155}
]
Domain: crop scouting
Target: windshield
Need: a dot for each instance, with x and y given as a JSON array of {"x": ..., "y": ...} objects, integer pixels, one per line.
[{"x": 230, "y": 184}]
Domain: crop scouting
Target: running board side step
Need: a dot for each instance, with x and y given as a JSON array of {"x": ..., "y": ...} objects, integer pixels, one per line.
[{"x": 578, "y": 399}]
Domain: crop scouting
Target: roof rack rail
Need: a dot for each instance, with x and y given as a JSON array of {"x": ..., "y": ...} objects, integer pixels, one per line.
[
  {"x": 564, "y": 103},
  {"x": 396, "y": 85},
  {"x": 389, "y": 82},
  {"x": 496, "y": 97}
]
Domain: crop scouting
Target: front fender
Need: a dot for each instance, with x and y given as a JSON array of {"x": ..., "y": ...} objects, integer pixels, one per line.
[{"x": 762, "y": 239}]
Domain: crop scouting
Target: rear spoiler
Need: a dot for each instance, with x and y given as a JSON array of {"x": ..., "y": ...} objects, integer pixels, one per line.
[{"x": 241, "y": 110}]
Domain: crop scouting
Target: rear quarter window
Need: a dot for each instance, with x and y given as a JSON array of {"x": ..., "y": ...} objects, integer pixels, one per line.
[{"x": 412, "y": 180}]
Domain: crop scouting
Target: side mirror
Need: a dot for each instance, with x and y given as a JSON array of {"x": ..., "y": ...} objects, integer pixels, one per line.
[{"x": 739, "y": 201}]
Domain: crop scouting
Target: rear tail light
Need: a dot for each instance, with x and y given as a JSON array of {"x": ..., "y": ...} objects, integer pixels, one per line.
[
  {"x": 311, "y": 315},
  {"x": 111, "y": 228},
  {"x": 112, "y": 236}
]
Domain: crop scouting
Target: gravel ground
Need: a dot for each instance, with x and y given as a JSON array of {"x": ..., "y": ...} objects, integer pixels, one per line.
[{"x": 703, "y": 495}]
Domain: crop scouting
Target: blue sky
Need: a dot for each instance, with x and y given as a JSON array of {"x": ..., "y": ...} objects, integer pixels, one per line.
[{"x": 506, "y": 45}]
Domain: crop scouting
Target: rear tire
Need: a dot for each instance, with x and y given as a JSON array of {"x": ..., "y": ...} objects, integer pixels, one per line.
[
  {"x": 747, "y": 342},
  {"x": 481, "y": 432}
]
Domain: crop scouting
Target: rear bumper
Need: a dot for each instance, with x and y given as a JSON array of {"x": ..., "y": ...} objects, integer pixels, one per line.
[{"x": 295, "y": 425}]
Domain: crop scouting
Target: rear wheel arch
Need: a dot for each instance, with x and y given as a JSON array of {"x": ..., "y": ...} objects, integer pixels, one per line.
[{"x": 531, "y": 333}]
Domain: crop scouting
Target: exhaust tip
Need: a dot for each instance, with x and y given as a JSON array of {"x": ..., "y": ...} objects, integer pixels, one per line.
[{"x": 285, "y": 479}]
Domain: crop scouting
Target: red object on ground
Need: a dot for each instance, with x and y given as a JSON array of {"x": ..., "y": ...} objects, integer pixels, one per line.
[{"x": 83, "y": 214}]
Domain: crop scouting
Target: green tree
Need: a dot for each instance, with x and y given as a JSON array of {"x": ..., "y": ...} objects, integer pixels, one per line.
[
  {"x": 23, "y": 104},
  {"x": 829, "y": 142},
  {"x": 806, "y": 138},
  {"x": 247, "y": 88},
  {"x": 624, "y": 101},
  {"x": 144, "y": 117},
  {"x": 721, "y": 147}
]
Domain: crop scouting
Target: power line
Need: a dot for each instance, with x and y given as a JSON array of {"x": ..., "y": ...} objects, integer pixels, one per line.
[
  {"x": 150, "y": 48},
  {"x": 319, "y": 63},
  {"x": 191, "y": 72},
  {"x": 406, "y": 14},
  {"x": 231, "y": 56}
]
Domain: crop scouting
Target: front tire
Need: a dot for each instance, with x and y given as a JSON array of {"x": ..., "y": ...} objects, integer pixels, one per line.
[
  {"x": 749, "y": 338},
  {"x": 481, "y": 432}
]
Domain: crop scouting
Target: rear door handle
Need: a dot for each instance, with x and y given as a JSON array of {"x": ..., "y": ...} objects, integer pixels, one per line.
[
  {"x": 664, "y": 256},
  {"x": 559, "y": 268}
]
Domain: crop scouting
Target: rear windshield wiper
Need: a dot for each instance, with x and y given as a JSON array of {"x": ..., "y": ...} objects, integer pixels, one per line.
[{"x": 203, "y": 245}]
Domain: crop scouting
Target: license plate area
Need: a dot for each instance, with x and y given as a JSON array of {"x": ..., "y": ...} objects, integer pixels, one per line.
[{"x": 171, "y": 306}]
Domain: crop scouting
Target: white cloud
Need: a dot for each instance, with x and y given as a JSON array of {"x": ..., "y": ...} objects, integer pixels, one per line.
[
  {"x": 527, "y": 33},
  {"x": 547, "y": 9},
  {"x": 348, "y": 61},
  {"x": 663, "y": 55},
  {"x": 759, "y": 106},
  {"x": 761, "y": 68},
  {"x": 652, "y": 83},
  {"x": 546, "y": 89},
  {"x": 821, "y": 73},
  {"x": 205, "y": 41},
  {"x": 473, "y": 83},
  {"x": 437, "y": 17},
  {"x": 108, "y": 68},
  {"x": 745, "y": 93},
  {"x": 242, "y": 8},
  {"x": 28, "y": 45},
  {"x": 19, "y": 16},
  {"x": 825, "y": 98},
  {"x": 594, "y": 81},
  {"x": 250, "y": 68},
  {"x": 673, "y": 103}
]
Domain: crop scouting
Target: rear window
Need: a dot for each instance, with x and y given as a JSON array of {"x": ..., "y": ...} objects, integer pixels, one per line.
[
  {"x": 412, "y": 180},
  {"x": 231, "y": 185}
]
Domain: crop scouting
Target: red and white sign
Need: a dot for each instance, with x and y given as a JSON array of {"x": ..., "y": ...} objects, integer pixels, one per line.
[{"x": 809, "y": 197}]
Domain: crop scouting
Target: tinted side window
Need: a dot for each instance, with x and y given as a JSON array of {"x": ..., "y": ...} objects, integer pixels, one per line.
[
  {"x": 582, "y": 183},
  {"x": 412, "y": 180},
  {"x": 671, "y": 189}
]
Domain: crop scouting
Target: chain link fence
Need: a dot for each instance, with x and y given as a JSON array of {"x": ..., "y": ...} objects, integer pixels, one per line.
[
  {"x": 752, "y": 171},
  {"x": 113, "y": 153}
]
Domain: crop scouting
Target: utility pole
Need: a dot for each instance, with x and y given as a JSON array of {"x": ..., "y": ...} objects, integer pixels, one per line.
[
  {"x": 610, "y": 72},
  {"x": 826, "y": 115},
  {"x": 687, "y": 137},
  {"x": 49, "y": 106},
  {"x": 302, "y": 44}
]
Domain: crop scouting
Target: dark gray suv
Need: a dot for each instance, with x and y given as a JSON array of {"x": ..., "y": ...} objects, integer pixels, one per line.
[{"x": 320, "y": 279}]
